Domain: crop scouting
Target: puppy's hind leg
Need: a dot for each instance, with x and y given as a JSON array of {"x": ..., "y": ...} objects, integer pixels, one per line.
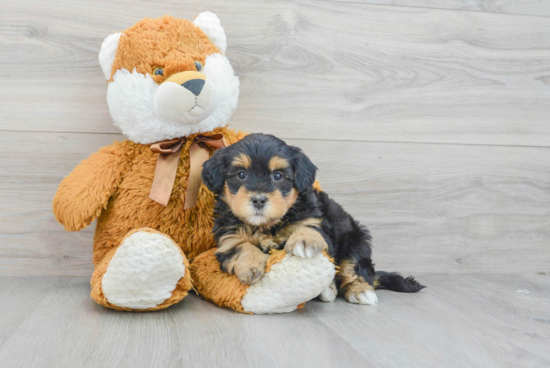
[
  {"x": 330, "y": 293},
  {"x": 360, "y": 292},
  {"x": 353, "y": 286}
]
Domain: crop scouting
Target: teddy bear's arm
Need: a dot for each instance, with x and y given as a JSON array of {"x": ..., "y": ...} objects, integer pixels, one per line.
[{"x": 85, "y": 192}]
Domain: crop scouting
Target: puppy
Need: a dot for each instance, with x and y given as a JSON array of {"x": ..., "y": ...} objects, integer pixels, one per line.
[{"x": 265, "y": 200}]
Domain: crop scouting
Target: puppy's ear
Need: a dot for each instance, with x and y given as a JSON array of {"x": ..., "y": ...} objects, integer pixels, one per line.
[
  {"x": 304, "y": 170},
  {"x": 214, "y": 171}
]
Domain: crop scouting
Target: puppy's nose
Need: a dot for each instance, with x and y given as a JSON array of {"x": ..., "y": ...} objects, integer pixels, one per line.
[
  {"x": 194, "y": 85},
  {"x": 259, "y": 200}
]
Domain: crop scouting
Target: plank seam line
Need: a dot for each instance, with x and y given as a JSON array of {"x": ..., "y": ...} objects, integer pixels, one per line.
[
  {"x": 341, "y": 338},
  {"x": 32, "y": 310},
  {"x": 441, "y": 9},
  {"x": 55, "y": 131},
  {"x": 416, "y": 275},
  {"x": 309, "y": 139},
  {"x": 410, "y": 142}
]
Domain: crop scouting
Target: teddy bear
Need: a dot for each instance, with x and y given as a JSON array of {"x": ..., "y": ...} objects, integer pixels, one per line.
[{"x": 171, "y": 92}]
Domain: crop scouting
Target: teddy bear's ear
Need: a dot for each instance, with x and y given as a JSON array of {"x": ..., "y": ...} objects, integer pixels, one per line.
[
  {"x": 108, "y": 53},
  {"x": 210, "y": 24}
]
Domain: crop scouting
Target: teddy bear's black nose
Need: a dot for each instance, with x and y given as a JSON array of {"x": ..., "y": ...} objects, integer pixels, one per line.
[{"x": 194, "y": 85}]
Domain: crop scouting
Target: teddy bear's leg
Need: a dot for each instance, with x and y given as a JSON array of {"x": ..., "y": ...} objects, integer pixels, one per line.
[
  {"x": 148, "y": 271},
  {"x": 289, "y": 281}
]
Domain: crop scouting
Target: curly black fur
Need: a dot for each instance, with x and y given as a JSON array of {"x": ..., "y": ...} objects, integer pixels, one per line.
[{"x": 347, "y": 239}]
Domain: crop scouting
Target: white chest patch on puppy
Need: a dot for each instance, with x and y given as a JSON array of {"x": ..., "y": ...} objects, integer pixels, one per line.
[
  {"x": 291, "y": 282},
  {"x": 144, "y": 271}
]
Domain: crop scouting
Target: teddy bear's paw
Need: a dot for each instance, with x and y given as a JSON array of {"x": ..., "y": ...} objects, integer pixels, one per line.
[
  {"x": 330, "y": 293},
  {"x": 144, "y": 271},
  {"x": 289, "y": 283}
]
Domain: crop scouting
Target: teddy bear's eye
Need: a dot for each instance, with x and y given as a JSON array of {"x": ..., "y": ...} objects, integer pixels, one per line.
[
  {"x": 158, "y": 71},
  {"x": 198, "y": 65}
]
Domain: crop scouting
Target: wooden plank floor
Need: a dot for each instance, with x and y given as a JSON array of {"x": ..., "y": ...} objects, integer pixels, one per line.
[
  {"x": 307, "y": 68},
  {"x": 458, "y": 321},
  {"x": 527, "y": 7},
  {"x": 429, "y": 123}
]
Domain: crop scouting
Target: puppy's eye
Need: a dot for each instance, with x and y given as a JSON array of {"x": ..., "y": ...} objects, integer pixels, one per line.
[
  {"x": 198, "y": 65},
  {"x": 158, "y": 71},
  {"x": 277, "y": 176},
  {"x": 241, "y": 175}
]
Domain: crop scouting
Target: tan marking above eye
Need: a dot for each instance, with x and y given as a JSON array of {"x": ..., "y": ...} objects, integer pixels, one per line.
[
  {"x": 278, "y": 163},
  {"x": 243, "y": 161}
]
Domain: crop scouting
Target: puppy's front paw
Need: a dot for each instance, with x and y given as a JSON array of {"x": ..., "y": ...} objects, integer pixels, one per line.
[
  {"x": 250, "y": 275},
  {"x": 250, "y": 267},
  {"x": 267, "y": 243},
  {"x": 306, "y": 243}
]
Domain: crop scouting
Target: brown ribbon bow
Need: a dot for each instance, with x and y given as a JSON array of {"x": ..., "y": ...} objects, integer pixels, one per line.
[{"x": 167, "y": 166}]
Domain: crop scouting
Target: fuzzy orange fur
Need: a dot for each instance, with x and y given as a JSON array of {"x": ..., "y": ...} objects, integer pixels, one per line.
[
  {"x": 113, "y": 186},
  {"x": 276, "y": 256},
  {"x": 220, "y": 287},
  {"x": 215, "y": 285},
  {"x": 171, "y": 43}
]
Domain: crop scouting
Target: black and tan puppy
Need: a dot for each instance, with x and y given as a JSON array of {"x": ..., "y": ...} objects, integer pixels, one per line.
[{"x": 265, "y": 200}]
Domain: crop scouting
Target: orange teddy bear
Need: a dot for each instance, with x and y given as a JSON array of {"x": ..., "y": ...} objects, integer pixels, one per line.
[{"x": 171, "y": 91}]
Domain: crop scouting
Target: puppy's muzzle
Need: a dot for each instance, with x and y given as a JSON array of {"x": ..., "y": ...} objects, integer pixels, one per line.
[
  {"x": 185, "y": 98},
  {"x": 258, "y": 201}
]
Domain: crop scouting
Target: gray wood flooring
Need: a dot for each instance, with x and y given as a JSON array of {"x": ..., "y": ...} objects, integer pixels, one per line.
[
  {"x": 527, "y": 7},
  {"x": 428, "y": 120},
  {"x": 458, "y": 321}
]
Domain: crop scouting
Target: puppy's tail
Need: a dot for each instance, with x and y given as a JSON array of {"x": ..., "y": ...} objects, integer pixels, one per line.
[{"x": 396, "y": 282}]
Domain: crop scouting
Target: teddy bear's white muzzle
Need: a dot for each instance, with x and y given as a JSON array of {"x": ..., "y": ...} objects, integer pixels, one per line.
[{"x": 186, "y": 103}]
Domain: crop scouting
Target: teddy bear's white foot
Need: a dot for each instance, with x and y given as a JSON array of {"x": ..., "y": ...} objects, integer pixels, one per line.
[
  {"x": 292, "y": 281},
  {"x": 144, "y": 271},
  {"x": 288, "y": 282}
]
